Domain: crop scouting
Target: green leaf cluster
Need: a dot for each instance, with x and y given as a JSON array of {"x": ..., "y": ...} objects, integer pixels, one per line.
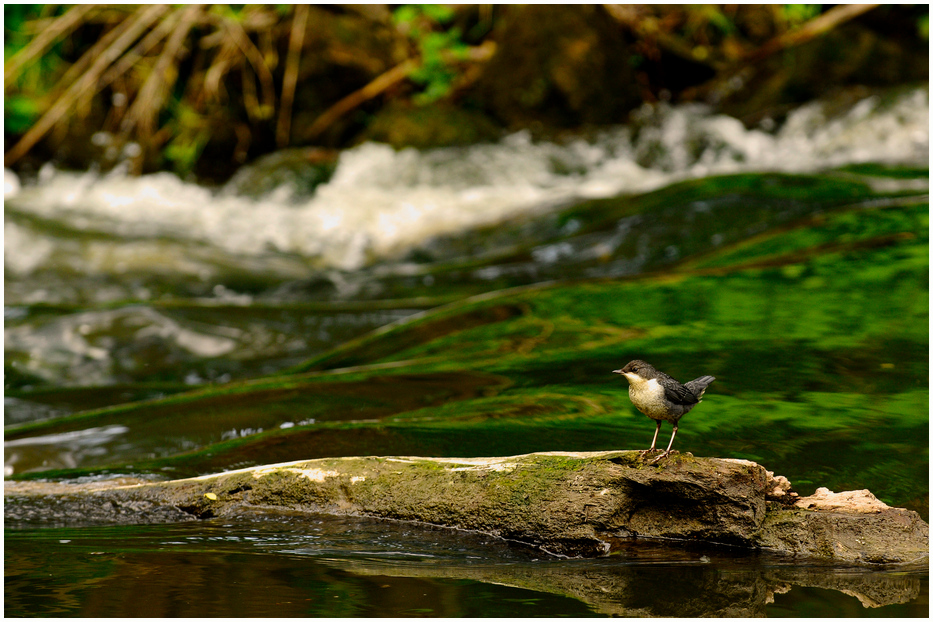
[
  {"x": 190, "y": 134},
  {"x": 796, "y": 14},
  {"x": 24, "y": 102},
  {"x": 439, "y": 48}
]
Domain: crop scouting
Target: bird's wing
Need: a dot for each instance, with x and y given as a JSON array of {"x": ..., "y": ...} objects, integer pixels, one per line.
[
  {"x": 678, "y": 393},
  {"x": 698, "y": 386}
]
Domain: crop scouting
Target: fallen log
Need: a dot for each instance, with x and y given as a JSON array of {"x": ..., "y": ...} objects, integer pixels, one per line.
[{"x": 570, "y": 504}]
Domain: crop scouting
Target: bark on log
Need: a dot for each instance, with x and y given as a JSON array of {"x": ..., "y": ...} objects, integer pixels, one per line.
[{"x": 573, "y": 504}]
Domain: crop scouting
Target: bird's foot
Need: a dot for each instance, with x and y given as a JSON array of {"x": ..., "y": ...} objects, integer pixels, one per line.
[
  {"x": 661, "y": 457},
  {"x": 645, "y": 452}
]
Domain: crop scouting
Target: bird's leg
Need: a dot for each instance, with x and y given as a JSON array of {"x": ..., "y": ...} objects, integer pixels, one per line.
[
  {"x": 667, "y": 451},
  {"x": 653, "y": 441}
]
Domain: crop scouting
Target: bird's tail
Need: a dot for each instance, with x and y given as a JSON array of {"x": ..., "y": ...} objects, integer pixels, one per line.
[{"x": 698, "y": 386}]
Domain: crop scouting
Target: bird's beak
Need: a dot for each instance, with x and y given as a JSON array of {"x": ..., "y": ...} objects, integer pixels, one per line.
[{"x": 617, "y": 371}]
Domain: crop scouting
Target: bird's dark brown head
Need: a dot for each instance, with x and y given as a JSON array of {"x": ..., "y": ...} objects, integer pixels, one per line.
[{"x": 638, "y": 367}]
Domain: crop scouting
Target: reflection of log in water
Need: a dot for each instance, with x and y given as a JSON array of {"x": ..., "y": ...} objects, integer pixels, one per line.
[
  {"x": 571, "y": 504},
  {"x": 730, "y": 588}
]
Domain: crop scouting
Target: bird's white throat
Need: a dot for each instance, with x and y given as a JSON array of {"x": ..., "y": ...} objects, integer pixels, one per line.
[{"x": 637, "y": 381}]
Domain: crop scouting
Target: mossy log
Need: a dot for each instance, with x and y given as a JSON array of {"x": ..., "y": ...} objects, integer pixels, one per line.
[{"x": 573, "y": 504}]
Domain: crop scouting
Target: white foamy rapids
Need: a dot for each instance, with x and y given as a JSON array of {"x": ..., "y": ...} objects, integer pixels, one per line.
[
  {"x": 381, "y": 202},
  {"x": 10, "y": 184}
]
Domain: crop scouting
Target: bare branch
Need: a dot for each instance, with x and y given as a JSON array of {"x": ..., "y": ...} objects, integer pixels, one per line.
[
  {"x": 252, "y": 53},
  {"x": 816, "y": 27},
  {"x": 130, "y": 31},
  {"x": 47, "y": 36},
  {"x": 160, "y": 81},
  {"x": 289, "y": 82},
  {"x": 126, "y": 62},
  {"x": 354, "y": 99}
]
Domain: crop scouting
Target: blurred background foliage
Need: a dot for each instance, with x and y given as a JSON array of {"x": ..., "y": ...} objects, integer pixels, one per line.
[{"x": 202, "y": 89}]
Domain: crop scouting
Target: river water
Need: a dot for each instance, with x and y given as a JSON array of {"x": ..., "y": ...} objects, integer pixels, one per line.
[
  {"x": 113, "y": 279},
  {"x": 121, "y": 289}
]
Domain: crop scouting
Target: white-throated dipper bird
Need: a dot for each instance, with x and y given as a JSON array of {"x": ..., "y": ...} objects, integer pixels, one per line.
[{"x": 661, "y": 397}]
